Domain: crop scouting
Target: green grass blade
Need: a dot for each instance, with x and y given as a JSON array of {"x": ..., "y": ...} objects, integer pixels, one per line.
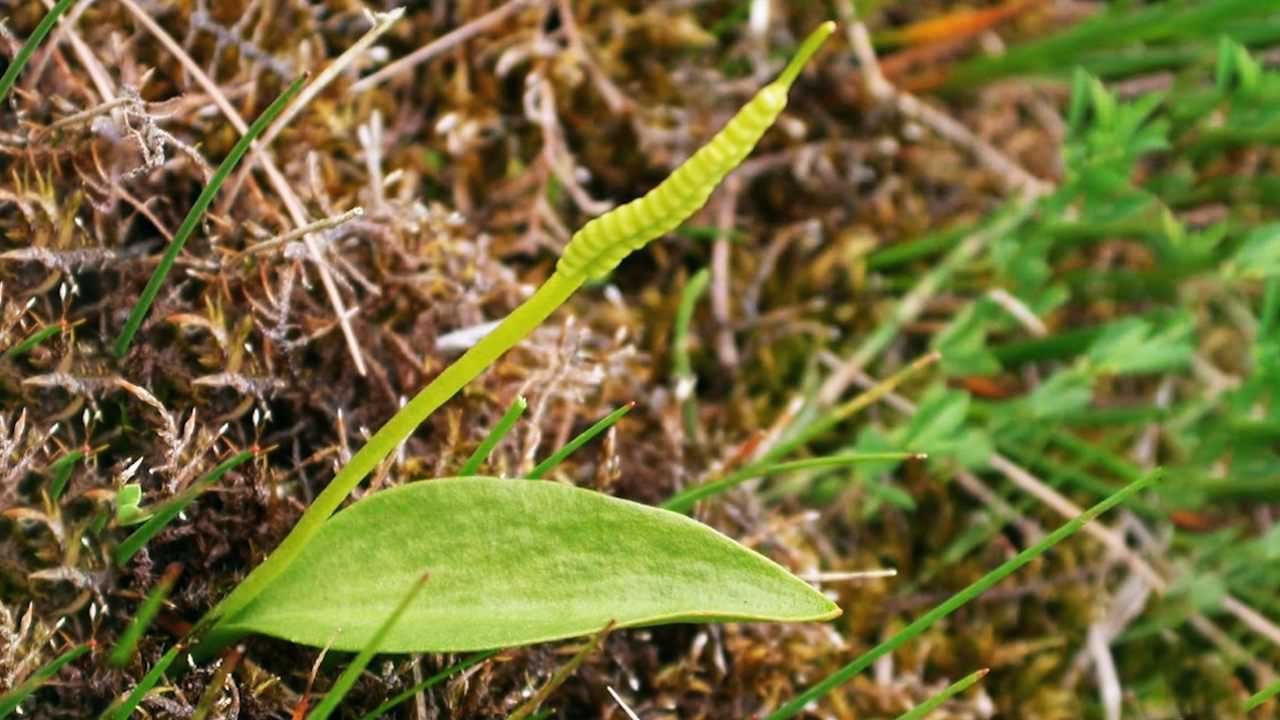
[
  {"x": 685, "y": 499},
  {"x": 125, "y": 709},
  {"x": 807, "y": 432},
  {"x": 922, "y": 710},
  {"x": 189, "y": 223},
  {"x": 681, "y": 367},
  {"x": 430, "y": 682},
  {"x": 499, "y": 431},
  {"x": 797, "y": 704},
  {"x": 167, "y": 512},
  {"x": 572, "y": 446},
  {"x": 12, "y": 699},
  {"x": 348, "y": 677},
  {"x": 61, "y": 469},
  {"x": 32, "y": 342},
  {"x": 1262, "y": 696},
  {"x": 29, "y": 47},
  {"x": 128, "y": 641}
]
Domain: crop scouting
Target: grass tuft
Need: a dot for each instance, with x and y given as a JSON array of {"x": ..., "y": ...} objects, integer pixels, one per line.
[{"x": 499, "y": 431}]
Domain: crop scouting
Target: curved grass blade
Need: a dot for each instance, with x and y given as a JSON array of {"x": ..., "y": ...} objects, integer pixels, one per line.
[
  {"x": 348, "y": 677},
  {"x": 1268, "y": 692},
  {"x": 29, "y": 47},
  {"x": 910, "y": 632},
  {"x": 514, "y": 562},
  {"x": 169, "y": 510},
  {"x": 128, "y": 641},
  {"x": 430, "y": 682},
  {"x": 685, "y": 499},
  {"x": 922, "y": 710},
  {"x": 572, "y": 446},
  {"x": 499, "y": 431},
  {"x": 192, "y": 219},
  {"x": 12, "y": 699}
]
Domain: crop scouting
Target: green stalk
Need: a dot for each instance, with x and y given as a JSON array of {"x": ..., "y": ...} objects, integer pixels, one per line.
[
  {"x": 29, "y": 47},
  {"x": 192, "y": 219},
  {"x": 128, "y": 642},
  {"x": 910, "y": 632}
]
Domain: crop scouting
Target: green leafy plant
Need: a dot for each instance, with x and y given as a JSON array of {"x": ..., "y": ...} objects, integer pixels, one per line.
[
  {"x": 662, "y": 576},
  {"x": 514, "y": 562}
]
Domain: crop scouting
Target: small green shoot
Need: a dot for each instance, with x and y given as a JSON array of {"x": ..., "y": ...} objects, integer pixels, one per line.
[
  {"x": 165, "y": 514},
  {"x": 921, "y": 711},
  {"x": 430, "y": 682},
  {"x": 514, "y": 562},
  {"x": 128, "y": 642},
  {"x": 349, "y": 675},
  {"x": 192, "y": 219},
  {"x": 10, "y": 701},
  {"x": 128, "y": 511},
  {"x": 572, "y": 446},
  {"x": 29, "y": 47},
  {"x": 910, "y": 632},
  {"x": 499, "y": 431}
]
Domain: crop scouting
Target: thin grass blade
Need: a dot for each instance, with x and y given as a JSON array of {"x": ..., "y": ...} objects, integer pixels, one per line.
[
  {"x": 189, "y": 223},
  {"x": 167, "y": 512},
  {"x": 125, "y": 709},
  {"x": 348, "y": 677},
  {"x": 681, "y": 366},
  {"x": 12, "y": 699},
  {"x": 29, "y": 47},
  {"x": 685, "y": 499},
  {"x": 499, "y": 431},
  {"x": 838, "y": 678},
  {"x": 922, "y": 710},
  {"x": 1263, "y": 695},
  {"x": 572, "y": 446},
  {"x": 61, "y": 469},
  {"x": 32, "y": 341},
  {"x": 430, "y": 682},
  {"x": 128, "y": 641},
  {"x": 529, "y": 708}
]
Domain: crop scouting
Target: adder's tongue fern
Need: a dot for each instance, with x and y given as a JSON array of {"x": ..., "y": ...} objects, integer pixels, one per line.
[{"x": 592, "y": 252}]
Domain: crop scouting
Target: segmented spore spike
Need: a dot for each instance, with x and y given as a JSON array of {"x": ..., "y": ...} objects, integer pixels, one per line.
[{"x": 602, "y": 243}]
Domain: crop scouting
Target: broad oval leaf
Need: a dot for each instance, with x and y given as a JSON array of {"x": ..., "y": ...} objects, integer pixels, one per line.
[{"x": 513, "y": 562}]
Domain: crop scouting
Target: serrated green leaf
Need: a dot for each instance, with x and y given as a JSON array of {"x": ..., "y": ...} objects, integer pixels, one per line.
[{"x": 514, "y": 562}]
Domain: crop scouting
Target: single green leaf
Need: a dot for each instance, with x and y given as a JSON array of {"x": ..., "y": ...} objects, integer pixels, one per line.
[{"x": 514, "y": 562}]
